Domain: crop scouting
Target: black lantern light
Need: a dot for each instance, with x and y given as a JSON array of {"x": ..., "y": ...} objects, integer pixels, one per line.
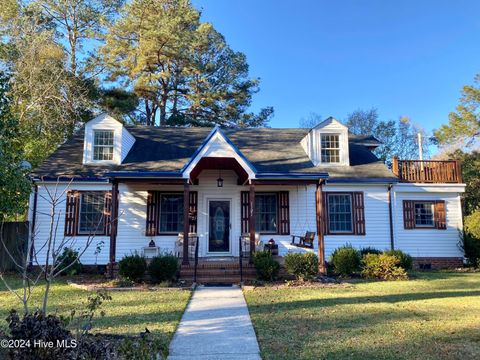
[{"x": 219, "y": 180}]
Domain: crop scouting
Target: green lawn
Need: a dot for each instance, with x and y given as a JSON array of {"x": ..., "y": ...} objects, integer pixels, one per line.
[
  {"x": 129, "y": 312},
  {"x": 434, "y": 316}
]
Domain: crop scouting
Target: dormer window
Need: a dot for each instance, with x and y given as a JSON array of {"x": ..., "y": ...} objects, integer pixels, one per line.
[
  {"x": 103, "y": 145},
  {"x": 330, "y": 148}
]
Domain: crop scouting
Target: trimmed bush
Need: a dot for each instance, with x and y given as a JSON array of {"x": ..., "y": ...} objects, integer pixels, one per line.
[
  {"x": 405, "y": 260},
  {"x": 345, "y": 260},
  {"x": 383, "y": 267},
  {"x": 304, "y": 266},
  {"x": 68, "y": 257},
  {"x": 369, "y": 250},
  {"x": 132, "y": 267},
  {"x": 163, "y": 268},
  {"x": 266, "y": 267}
]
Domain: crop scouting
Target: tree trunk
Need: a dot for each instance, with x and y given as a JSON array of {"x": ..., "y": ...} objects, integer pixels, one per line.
[{"x": 163, "y": 110}]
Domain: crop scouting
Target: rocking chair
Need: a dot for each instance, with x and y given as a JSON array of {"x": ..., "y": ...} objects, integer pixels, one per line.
[{"x": 304, "y": 241}]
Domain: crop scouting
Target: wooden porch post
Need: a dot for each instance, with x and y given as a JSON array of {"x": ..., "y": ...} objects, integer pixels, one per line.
[
  {"x": 186, "y": 219},
  {"x": 113, "y": 226},
  {"x": 320, "y": 219},
  {"x": 251, "y": 220}
]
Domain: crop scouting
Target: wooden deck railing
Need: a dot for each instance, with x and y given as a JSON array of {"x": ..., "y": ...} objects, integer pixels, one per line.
[{"x": 427, "y": 171}]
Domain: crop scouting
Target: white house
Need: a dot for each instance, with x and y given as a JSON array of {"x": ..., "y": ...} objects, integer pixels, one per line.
[{"x": 228, "y": 188}]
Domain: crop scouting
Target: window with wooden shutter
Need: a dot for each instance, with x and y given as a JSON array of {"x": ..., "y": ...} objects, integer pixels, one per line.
[
  {"x": 424, "y": 214},
  {"x": 440, "y": 215},
  {"x": 192, "y": 211},
  {"x": 245, "y": 211},
  {"x": 71, "y": 212},
  {"x": 152, "y": 213},
  {"x": 284, "y": 213},
  {"x": 344, "y": 213},
  {"x": 88, "y": 213}
]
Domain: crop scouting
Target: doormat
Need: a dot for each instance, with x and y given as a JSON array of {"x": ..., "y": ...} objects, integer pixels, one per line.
[{"x": 217, "y": 285}]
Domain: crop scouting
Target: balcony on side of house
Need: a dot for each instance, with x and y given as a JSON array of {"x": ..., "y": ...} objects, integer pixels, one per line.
[{"x": 428, "y": 171}]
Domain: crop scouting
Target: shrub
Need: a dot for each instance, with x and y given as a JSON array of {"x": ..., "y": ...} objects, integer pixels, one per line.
[
  {"x": 382, "y": 266},
  {"x": 132, "y": 267},
  {"x": 471, "y": 248},
  {"x": 38, "y": 327},
  {"x": 69, "y": 256},
  {"x": 369, "y": 250},
  {"x": 345, "y": 260},
  {"x": 405, "y": 260},
  {"x": 163, "y": 268},
  {"x": 304, "y": 266},
  {"x": 266, "y": 267}
]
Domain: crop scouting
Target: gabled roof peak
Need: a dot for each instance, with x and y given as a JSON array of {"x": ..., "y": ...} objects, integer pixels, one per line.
[{"x": 328, "y": 121}]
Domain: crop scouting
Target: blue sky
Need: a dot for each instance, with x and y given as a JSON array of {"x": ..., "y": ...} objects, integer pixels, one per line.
[{"x": 332, "y": 57}]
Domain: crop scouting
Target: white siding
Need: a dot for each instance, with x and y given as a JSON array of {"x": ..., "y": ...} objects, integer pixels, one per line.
[
  {"x": 132, "y": 217},
  {"x": 377, "y": 226},
  {"x": 429, "y": 242},
  {"x": 127, "y": 142},
  {"x": 42, "y": 224}
]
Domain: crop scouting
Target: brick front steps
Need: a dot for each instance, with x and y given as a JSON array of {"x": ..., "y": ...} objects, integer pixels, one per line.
[{"x": 220, "y": 272}]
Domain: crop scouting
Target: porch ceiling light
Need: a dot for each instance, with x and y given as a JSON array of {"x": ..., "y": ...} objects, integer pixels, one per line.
[{"x": 219, "y": 180}]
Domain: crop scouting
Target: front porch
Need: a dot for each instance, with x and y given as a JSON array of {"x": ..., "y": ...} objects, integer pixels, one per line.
[{"x": 223, "y": 222}]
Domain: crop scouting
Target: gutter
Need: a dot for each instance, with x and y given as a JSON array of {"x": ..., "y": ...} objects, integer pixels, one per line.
[{"x": 390, "y": 215}]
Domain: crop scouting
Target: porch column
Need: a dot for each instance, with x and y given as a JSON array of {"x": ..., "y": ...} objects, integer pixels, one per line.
[
  {"x": 113, "y": 226},
  {"x": 320, "y": 219},
  {"x": 186, "y": 222},
  {"x": 251, "y": 220}
]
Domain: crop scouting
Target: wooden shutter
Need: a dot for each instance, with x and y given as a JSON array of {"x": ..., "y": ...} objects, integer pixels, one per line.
[
  {"x": 326, "y": 228},
  {"x": 358, "y": 213},
  {"x": 245, "y": 211},
  {"x": 192, "y": 211},
  {"x": 408, "y": 214},
  {"x": 440, "y": 215},
  {"x": 71, "y": 213},
  {"x": 284, "y": 213},
  {"x": 107, "y": 212},
  {"x": 152, "y": 211}
]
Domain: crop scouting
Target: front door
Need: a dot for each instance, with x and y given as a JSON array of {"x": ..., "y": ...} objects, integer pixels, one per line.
[{"x": 219, "y": 226}]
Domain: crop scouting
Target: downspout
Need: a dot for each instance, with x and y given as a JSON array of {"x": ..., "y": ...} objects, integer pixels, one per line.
[
  {"x": 390, "y": 215},
  {"x": 32, "y": 229}
]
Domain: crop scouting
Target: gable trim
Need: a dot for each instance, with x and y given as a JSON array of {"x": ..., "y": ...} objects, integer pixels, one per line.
[{"x": 199, "y": 154}]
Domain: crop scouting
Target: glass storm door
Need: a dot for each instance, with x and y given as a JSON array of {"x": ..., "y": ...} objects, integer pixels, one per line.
[{"x": 219, "y": 231}]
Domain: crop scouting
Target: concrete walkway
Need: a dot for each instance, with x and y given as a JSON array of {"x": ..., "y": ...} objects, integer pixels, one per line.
[{"x": 215, "y": 325}]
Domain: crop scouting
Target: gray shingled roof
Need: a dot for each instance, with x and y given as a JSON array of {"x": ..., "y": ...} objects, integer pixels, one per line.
[{"x": 169, "y": 149}]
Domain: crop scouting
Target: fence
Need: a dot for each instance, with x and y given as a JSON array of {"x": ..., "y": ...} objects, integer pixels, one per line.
[{"x": 15, "y": 242}]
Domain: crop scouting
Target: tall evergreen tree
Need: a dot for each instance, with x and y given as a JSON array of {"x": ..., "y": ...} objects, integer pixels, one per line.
[
  {"x": 463, "y": 129},
  {"x": 182, "y": 70}
]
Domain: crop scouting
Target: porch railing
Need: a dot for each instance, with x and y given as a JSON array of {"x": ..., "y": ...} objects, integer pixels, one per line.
[{"x": 427, "y": 171}]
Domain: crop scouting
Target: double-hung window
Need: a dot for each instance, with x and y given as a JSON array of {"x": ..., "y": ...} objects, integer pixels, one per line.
[
  {"x": 340, "y": 215},
  {"x": 424, "y": 214},
  {"x": 171, "y": 213},
  {"x": 330, "y": 148},
  {"x": 102, "y": 145},
  {"x": 91, "y": 219},
  {"x": 266, "y": 211}
]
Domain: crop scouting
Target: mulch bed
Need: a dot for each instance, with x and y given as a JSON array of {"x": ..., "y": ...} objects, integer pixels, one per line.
[{"x": 99, "y": 282}]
